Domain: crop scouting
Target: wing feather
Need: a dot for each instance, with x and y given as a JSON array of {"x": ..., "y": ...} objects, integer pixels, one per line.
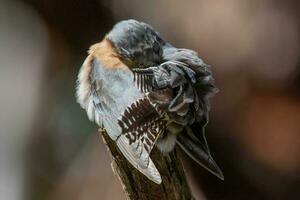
[
  {"x": 142, "y": 124},
  {"x": 143, "y": 79},
  {"x": 113, "y": 101}
]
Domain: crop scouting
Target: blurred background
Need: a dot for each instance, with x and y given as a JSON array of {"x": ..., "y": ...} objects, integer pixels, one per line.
[{"x": 48, "y": 148}]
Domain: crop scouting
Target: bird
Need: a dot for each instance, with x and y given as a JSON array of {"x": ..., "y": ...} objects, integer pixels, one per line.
[{"x": 147, "y": 93}]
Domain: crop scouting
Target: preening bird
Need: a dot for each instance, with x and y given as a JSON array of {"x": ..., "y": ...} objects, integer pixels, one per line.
[{"x": 146, "y": 92}]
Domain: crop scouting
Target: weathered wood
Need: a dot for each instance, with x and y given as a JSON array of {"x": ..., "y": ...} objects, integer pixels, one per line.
[{"x": 137, "y": 187}]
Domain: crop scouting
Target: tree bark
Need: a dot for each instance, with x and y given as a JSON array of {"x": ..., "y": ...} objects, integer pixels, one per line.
[{"x": 136, "y": 186}]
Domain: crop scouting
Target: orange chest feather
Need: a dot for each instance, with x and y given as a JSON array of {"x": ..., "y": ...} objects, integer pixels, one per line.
[{"x": 107, "y": 55}]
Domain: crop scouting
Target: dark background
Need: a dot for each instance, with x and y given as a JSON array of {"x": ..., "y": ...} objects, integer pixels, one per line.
[{"x": 49, "y": 149}]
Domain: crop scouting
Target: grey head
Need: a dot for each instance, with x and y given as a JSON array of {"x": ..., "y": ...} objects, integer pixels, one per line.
[{"x": 137, "y": 43}]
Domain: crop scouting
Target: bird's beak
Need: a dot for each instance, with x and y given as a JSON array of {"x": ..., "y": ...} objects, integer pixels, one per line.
[{"x": 199, "y": 152}]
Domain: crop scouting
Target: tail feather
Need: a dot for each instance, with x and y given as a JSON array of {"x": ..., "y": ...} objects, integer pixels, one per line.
[{"x": 198, "y": 150}]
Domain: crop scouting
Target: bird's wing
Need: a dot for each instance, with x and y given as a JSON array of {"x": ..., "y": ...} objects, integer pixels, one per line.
[
  {"x": 143, "y": 79},
  {"x": 115, "y": 103},
  {"x": 140, "y": 125},
  {"x": 170, "y": 84},
  {"x": 187, "y": 105}
]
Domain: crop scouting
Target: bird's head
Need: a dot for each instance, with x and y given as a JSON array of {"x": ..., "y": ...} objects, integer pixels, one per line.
[{"x": 137, "y": 44}]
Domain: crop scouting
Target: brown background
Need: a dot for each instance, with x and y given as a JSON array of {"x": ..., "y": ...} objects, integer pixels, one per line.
[{"x": 49, "y": 149}]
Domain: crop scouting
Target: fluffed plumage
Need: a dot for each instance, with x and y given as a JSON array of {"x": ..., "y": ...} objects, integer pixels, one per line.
[{"x": 146, "y": 92}]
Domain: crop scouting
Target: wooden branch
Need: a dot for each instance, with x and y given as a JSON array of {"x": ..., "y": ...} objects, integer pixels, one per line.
[{"x": 137, "y": 187}]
